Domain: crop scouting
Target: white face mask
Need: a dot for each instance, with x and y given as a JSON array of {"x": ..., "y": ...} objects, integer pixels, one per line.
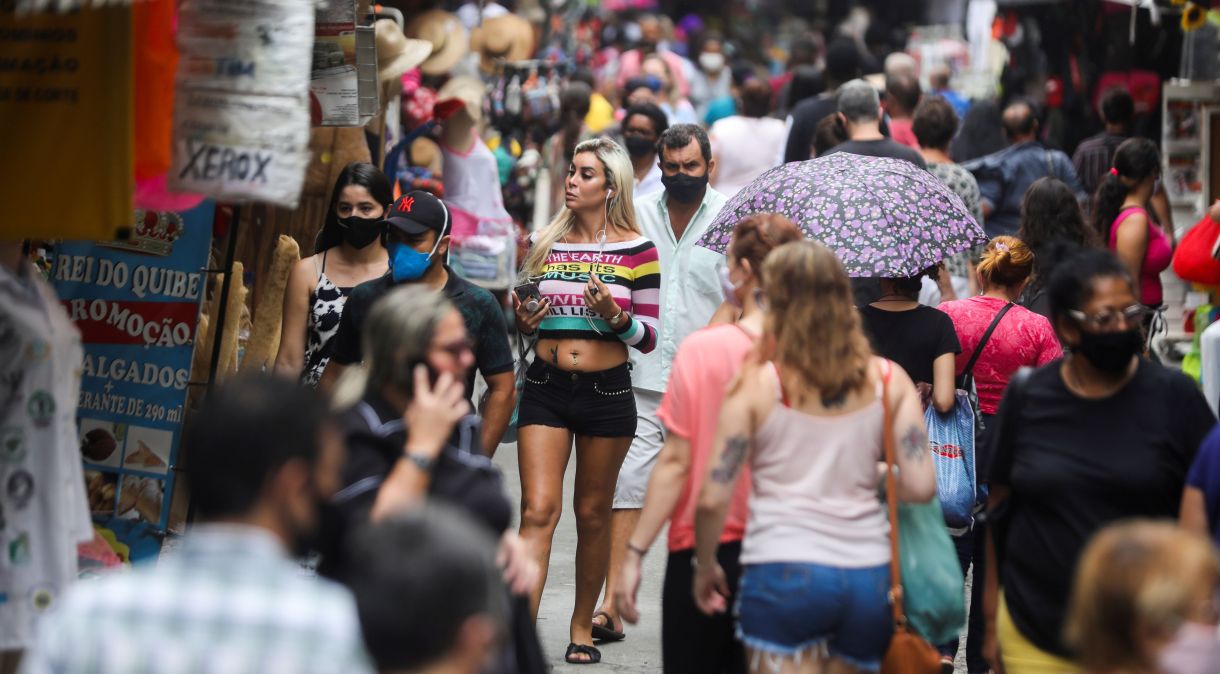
[
  {"x": 1195, "y": 649},
  {"x": 711, "y": 61}
]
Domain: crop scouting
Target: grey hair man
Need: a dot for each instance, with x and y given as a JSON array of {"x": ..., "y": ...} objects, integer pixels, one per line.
[{"x": 860, "y": 111}]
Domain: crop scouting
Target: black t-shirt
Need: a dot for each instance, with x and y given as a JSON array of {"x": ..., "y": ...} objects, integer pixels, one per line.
[
  {"x": 882, "y": 147},
  {"x": 485, "y": 325},
  {"x": 1075, "y": 465},
  {"x": 913, "y": 338},
  {"x": 461, "y": 477},
  {"x": 805, "y": 118}
]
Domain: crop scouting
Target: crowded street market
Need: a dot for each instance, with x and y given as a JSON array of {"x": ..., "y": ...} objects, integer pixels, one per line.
[{"x": 525, "y": 336}]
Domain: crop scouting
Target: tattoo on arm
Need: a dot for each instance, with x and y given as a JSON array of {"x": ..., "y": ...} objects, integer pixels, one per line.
[
  {"x": 730, "y": 461},
  {"x": 914, "y": 444}
]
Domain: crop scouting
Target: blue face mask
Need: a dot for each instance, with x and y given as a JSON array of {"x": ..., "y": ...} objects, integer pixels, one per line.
[{"x": 408, "y": 264}]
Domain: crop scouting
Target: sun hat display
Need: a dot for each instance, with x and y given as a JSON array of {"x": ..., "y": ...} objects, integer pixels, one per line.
[
  {"x": 469, "y": 90},
  {"x": 508, "y": 36},
  {"x": 446, "y": 34},
  {"x": 396, "y": 53}
]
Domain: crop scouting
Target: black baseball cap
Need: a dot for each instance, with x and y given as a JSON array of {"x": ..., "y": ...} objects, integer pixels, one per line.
[{"x": 418, "y": 211}]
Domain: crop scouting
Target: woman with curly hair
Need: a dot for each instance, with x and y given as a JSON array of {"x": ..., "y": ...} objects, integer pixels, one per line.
[
  {"x": 807, "y": 414},
  {"x": 1052, "y": 225}
]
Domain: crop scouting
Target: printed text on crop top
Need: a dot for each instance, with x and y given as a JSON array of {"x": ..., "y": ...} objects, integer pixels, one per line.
[{"x": 629, "y": 269}]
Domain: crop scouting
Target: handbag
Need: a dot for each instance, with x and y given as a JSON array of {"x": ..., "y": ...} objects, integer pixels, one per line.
[
  {"x": 965, "y": 382},
  {"x": 1195, "y": 258},
  {"x": 954, "y": 437},
  {"x": 930, "y": 605},
  {"x": 951, "y": 436}
]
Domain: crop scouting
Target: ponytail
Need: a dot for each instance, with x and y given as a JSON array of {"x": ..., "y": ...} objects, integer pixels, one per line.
[
  {"x": 1134, "y": 162},
  {"x": 1109, "y": 201}
]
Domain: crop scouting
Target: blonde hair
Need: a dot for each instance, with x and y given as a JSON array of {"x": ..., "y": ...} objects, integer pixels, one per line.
[
  {"x": 1006, "y": 261},
  {"x": 620, "y": 208},
  {"x": 813, "y": 319},
  {"x": 1136, "y": 577}
]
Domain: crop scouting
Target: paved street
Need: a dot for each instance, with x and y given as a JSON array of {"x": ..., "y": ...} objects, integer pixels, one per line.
[{"x": 641, "y": 650}]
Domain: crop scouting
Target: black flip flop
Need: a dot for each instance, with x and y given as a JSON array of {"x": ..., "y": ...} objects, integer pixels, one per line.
[
  {"x": 606, "y": 632},
  {"x": 595, "y": 656}
]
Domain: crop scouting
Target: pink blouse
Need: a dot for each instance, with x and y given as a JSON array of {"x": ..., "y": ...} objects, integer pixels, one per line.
[{"x": 1022, "y": 338}]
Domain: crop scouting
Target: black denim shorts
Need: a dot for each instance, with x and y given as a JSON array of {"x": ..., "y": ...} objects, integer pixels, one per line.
[{"x": 597, "y": 404}]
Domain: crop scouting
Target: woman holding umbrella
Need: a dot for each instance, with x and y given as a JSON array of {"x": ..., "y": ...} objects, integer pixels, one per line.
[{"x": 919, "y": 338}]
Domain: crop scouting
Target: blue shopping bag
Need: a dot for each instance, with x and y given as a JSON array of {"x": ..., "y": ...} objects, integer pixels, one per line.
[{"x": 951, "y": 436}]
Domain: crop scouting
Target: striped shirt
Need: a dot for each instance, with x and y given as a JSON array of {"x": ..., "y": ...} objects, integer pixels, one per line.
[{"x": 629, "y": 269}]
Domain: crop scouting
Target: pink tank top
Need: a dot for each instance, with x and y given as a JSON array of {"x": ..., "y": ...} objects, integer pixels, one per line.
[
  {"x": 814, "y": 488},
  {"x": 1156, "y": 258}
]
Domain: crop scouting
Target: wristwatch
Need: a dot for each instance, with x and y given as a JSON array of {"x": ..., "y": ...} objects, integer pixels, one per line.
[
  {"x": 421, "y": 462},
  {"x": 617, "y": 318}
]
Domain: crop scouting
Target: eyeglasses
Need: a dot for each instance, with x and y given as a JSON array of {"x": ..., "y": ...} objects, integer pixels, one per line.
[
  {"x": 1111, "y": 319},
  {"x": 457, "y": 349}
]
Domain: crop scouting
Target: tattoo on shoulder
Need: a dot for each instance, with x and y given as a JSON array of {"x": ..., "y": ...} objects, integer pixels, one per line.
[
  {"x": 914, "y": 443},
  {"x": 734, "y": 455}
]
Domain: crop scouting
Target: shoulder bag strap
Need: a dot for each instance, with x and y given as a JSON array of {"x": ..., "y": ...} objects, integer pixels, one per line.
[
  {"x": 891, "y": 497},
  {"x": 978, "y": 350},
  {"x": 1050, "y": 163}
]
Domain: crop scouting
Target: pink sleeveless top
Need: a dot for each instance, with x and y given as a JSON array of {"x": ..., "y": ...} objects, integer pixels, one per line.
[
  {"x": 1156, "y": 258},
  {"x": 814, "y": 488}
]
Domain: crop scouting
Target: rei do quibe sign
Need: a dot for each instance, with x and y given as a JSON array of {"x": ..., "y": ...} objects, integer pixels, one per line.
[{"x": 136, "y": 304}]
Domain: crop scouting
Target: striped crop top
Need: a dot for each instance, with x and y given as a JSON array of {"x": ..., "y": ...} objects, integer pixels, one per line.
[{"x": 629, "y": 269}]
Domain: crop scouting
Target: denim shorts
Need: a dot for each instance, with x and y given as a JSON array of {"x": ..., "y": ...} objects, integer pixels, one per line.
[
  {"x": 801, "y": 609},
  {"x": 596, "y": 404}
]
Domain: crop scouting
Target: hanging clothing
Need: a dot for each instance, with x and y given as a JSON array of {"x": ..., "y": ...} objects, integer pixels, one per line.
[
  {"x": 325, "y": 309},
  {"x": 483, "y": 246},
  {"x": 44, "y": 513}
]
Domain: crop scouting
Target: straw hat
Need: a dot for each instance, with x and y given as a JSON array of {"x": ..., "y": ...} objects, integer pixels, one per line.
[
  {"x": 426, "y": 153},
  {"x": 507, "y": 36},
  {"x": 469, "y": 90},
  {"x": 396, "y": 53},
  {"x": 447, "y": 35}
]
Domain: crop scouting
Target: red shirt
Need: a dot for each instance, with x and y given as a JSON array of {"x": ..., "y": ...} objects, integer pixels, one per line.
[
  {"x": 705, "y": 365},
  {"x": 1021, "y": 339}
]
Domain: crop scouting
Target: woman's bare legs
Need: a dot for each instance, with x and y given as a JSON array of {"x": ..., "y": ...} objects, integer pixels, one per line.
[
  {"x": 597, "y": 464},
  {"x": 542, "y": 458}
]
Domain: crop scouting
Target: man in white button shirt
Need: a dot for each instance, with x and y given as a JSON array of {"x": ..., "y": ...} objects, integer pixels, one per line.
[{"x": 674, "y": 220}]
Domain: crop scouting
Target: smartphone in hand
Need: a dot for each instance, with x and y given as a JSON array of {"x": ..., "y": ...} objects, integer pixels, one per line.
[{"x": 530, "y": 295}]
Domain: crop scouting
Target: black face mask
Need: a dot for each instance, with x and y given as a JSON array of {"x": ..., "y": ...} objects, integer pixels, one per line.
[
  {"x": 1110, "y": 351},
  {"x": 638, "y": 146},
  {"x": 684, "y": 188},
  {"x": 327, "y": 533},
  {"x": 359, "y": 232}
]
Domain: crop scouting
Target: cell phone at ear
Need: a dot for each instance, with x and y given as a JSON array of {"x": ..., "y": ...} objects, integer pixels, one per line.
[{"x": 530, "y": 295}]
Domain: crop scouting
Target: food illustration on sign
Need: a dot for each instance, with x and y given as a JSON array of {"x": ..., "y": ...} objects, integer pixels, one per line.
[
  {"x": 98, "y": 444},
  {"x": 147, "y": 449},
  {"x": 141, "y": 498},
  {"x": 100, "y": 441}
]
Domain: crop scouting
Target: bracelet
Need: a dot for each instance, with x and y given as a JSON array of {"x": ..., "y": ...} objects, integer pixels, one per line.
[
  {"x": 639, "y": 551},
  {"x": 423, "y": 463}
]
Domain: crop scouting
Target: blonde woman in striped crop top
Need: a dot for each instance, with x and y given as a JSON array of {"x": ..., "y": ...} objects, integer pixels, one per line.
[{"x": 600, "y": 282}]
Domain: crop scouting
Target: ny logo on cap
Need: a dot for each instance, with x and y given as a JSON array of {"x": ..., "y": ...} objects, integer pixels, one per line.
[{"x": 407, "y": 204}]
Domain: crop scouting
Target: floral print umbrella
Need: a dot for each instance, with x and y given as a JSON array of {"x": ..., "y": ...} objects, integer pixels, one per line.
[{"x": 882, "y": 217}]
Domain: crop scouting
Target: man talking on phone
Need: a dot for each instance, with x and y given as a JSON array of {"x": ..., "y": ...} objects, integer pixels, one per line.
[{"x": 417, "y": 238}]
